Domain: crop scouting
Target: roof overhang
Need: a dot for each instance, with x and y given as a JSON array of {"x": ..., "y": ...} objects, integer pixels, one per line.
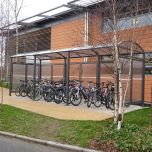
[
  {"x": 78, "y": 51},
  {"x": 84, "y": 51}
]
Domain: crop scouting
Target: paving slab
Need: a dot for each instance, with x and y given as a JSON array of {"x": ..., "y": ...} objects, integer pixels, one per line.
[{"x": 60, "y": 111}]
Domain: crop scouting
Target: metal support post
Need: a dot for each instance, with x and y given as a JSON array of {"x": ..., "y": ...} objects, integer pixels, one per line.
[
  {"x": 67, "y": 78},
  {"x": 40, "y": 69},
  {"x": 26, "y": 71},
  {"x": 80, "y": 71},
  {"x": 34, "y": 77},
  {"x": 51, "y": 72},
  {"x": 131, "y": 81},
  {"x": 65, "y": 70},
  {"x": 98, "y": 70},
  {"x": 143, "y": 79},
  {"x": 11, "y": 77}
]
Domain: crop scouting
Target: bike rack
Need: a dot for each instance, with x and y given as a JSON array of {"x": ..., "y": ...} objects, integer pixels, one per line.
[{"x": 66, "y": 54}]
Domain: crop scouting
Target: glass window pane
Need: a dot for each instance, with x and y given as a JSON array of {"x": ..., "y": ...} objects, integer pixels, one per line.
[{"x": 127, "y": 23}]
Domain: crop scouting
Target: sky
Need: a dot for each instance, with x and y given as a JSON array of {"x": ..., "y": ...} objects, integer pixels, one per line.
[{"x": 32, "y": 7}]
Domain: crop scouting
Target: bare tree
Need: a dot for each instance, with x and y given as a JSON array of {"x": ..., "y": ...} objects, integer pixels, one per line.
[
  {"x": 16, "y": 6},
  {"x": 9, "y": 12},
  {"x": 114, "y": 16},
  {"x": 3, "y": 23},
  {"x": 115, "y": 10}
]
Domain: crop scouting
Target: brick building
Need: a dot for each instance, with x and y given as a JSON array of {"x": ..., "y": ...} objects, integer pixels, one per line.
[{"x": 76, "y": 25}]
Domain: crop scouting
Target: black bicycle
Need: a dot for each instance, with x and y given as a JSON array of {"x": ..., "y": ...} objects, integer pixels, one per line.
[{"x": 78, "y": 93}]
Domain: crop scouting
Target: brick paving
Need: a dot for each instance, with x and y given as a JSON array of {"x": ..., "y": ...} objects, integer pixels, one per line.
[{"x": 60, "y": 111}]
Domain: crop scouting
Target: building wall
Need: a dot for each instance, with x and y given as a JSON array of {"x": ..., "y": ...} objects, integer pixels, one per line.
[
  {"x": 29, "y": 42},
  {"x": 148, "y": 88},
  {"x": 71, "y": 34},
  {"x": 143, "y": 36},
  {"x": 68, "y": 34}
]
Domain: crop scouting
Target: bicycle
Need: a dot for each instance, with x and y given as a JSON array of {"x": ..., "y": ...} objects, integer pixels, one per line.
[
  {"x": 78, "y": 93},
  {"x": 94, "y": 95}
]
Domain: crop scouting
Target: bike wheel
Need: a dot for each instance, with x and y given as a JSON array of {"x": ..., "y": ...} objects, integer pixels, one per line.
[
  {"x": 28, "y": 91},
  {"x": 45, "y": 97},
  {"x": 23, "y": 91},
  {"x": 100, "y": 97},
  {"x": 107, "y": 101},
  {"x": 89, "y": 104},
  {"x": 64, "y": 96},
  {"x": 38, "y": 94},
  {"x": 111, "y": 101},
  {"x": 59, "y": 94},
  {"x": 90, "y": 98},
  {"x": 75, "y": 97},
  {"x": 97, "y": 103},
  {"x": 50, "y": 95},
  {"x": 17, "y": 91}
]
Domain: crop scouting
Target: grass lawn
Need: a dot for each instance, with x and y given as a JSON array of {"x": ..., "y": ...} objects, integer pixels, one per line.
[
  {"x": 93, "y": 134},
  {"x": 4, "y": 84}
]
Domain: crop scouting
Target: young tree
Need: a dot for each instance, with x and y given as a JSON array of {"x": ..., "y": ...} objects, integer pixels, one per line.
[
  {"x": 9, "y": 13},
  {"x": 16, "y": 6},
  {"x": 115, "y": 13},
  {"x": 3, "y": 24}
]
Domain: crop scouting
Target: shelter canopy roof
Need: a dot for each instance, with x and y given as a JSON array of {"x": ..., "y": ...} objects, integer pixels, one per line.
[{"x": 86, "y": 51}]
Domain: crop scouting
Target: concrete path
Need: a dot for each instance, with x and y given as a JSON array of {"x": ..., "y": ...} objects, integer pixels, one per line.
[
  {"x": 60, "y": 111},
  {"x": 8, "y": 144}
]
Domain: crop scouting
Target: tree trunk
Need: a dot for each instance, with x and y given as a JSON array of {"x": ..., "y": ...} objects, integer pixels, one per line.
[{"x": 120, "y": 104}]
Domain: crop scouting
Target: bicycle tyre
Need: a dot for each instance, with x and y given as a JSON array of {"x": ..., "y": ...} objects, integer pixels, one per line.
[
  {"x": 89, "y": 104},
  {"x": 107, "y": 101},
  {"x": 58, "y": 98},
  {"x": 90, "y": 98},
  {"x": 74, "y": 99},
  {"x": 50, "y": 95},
  {"x": 96, "y": 99},
  {"x": 17, "y": 91},
  {"x": 112, "y": 101},
  {"x": 22, "y": 91},
  {"x": 38, "y": 94},
  {"x": 97, "y": 103}
]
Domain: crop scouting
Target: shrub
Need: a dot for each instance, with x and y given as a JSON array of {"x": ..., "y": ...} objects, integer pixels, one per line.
[
  {"x": 130, "y": 138},
  {"x": 4, "y": 84}
]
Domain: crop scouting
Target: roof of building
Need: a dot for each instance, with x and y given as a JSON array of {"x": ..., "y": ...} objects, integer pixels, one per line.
[{"x": 54, "y": 13}]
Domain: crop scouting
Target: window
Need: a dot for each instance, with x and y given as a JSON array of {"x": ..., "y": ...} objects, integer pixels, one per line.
[
  {"x": 148, "y": 70},
  {"x": 30, "y": 42},
  {"x": 128, "y": 22}
]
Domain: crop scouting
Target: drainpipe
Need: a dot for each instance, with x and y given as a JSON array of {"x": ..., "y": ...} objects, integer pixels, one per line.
[
  {"x": 86, "y": 31},
  {"x": 143, "y": 79},
  {"x": 11, "y": 77}
]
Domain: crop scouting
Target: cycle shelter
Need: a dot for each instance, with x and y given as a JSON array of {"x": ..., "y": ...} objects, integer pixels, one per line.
[{"x": 85, "y": 63}]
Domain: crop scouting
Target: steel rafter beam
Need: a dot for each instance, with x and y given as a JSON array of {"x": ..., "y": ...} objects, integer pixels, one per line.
[{"x": 61, "y": 55}]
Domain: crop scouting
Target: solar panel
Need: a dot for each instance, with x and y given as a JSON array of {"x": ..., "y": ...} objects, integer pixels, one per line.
[
  {"x": 57, "y": 11},
  {"x": 14, "y": 26},
  {"x": 33, "y": 19},
  {"x": 60, "y": 9},
  {"x": 85, "y": 3}
]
